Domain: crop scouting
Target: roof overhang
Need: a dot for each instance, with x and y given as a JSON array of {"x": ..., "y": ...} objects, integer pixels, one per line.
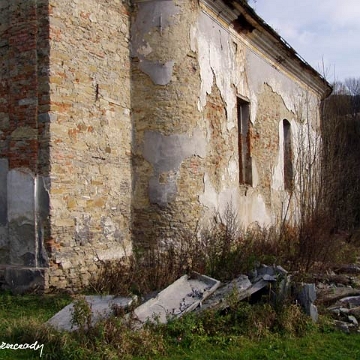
[{"x": 242, "y": 18}]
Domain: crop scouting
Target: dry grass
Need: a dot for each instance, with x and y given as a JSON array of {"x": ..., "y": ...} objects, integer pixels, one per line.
[{"x": 224, "y": 251}]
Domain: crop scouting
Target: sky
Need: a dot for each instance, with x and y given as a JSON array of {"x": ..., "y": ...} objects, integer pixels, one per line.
[{"x": 325, "y": 33}]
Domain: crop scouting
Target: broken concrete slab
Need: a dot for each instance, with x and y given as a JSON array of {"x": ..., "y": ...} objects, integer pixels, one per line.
[
  {"x": 351, "y": 301},
  {"x": 355, "y": 311},
  {"x": 182, "y": 296},
  {"x": 306, "y": 295},
  {"x": 342, "y": 326},
  {"x": 266, "y": 270},
  {"x": 242, "y": 287},
  {"x": 101, "y": 308},
  {"x": 337, "y": 280},
  {"x": 339, "y": 310},
  {"x": 353, "y": 320},
  {"x": 331, "y": 295},
  {"x": 280, "y": 270},
  {"x": 313, "y": 313},
  {"x": 268, "y": 273},
  {"x": 268, "y": 277}
]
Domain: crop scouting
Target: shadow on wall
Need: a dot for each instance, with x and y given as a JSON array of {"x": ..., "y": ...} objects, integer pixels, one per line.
[{"x": 24, "y": 141}]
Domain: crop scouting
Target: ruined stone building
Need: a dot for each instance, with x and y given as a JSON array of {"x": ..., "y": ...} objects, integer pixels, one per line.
[{"x": 121, "y": 121}]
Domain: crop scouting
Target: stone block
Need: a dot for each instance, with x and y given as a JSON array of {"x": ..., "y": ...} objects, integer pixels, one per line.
[{"x": 306, "y": 296}]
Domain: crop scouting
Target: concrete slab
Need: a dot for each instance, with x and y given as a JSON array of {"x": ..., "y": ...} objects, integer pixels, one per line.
[
  {"x": 101, "y": 307},
  {"x": 351, "y": 301},
  {"x": 241, "y": 285},
  {"x": 182, "y": 296}
]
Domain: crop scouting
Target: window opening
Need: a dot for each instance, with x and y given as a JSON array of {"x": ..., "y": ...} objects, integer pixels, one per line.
[
  {"x": 245, "y": 164},
  {"x": 288, "y": 164}
]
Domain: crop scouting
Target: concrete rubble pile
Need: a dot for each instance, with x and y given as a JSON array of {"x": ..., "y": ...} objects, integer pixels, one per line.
[
  {"x": 338, "y": 292},
  {"x": 198, "y": 293}
]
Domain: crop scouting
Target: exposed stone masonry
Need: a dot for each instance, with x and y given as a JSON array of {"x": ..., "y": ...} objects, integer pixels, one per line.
[{"x": 119, "y": 127}]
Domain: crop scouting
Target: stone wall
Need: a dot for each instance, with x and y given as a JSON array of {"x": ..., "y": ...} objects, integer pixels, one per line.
[
  {"x": 189, "y": 70},
  {"x": 119, "y": 127},
  {"x": 90, "y": 129},
  {"x": 169, "y": 139},
  {"x": 65, "y": 166}
]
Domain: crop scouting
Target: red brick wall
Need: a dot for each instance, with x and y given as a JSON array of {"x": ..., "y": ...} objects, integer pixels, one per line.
[{"x": 24, "y": 54}]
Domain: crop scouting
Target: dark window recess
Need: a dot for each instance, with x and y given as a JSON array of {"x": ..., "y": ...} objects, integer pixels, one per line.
[
  {"x": 245, "y": 166},
  {"x": 288, "y": 156}
]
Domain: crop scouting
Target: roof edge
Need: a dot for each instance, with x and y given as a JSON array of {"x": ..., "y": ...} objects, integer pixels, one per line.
[{"x": 242, "y": 18}]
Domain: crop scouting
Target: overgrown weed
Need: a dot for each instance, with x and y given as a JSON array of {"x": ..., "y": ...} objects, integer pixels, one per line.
[{"x": 224, "y": 251}]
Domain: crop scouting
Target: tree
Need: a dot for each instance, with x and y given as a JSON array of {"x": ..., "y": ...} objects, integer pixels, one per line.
[
  {"x": 341, "y": 155},
  {"x": 352, "y": 88}
]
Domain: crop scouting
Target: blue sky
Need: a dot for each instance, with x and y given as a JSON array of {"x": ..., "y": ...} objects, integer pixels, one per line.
[{"x": 326, "y": 33}]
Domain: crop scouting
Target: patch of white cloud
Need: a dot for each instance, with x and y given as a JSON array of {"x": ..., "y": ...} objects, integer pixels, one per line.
[{"x": 324, "y": 32}]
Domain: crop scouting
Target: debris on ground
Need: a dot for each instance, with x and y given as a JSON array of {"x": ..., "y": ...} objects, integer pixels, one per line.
[
  {"x": 199, "y": 292},
  {"x": 182, "y": 296},
  {"x": 339, "y": 292},
  {"x": 101, "y": 308}
]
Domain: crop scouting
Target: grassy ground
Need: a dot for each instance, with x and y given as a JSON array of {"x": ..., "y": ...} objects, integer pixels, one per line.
[
  {"x": 242, "y": 334},
  {"x": 19, "y": 315},
  {"x": 335, "y": 346}
]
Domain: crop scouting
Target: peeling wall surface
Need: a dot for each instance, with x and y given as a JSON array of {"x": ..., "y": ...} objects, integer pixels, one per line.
[
  {"x": 212, "y": 66},
  {"x": 119, "y": 126}
]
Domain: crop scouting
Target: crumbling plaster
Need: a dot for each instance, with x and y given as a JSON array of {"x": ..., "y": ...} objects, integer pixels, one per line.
[
  {"x": 165, "y": 154},
  {"x": 222, "y": 60},
  {"x": 154, "y": 39},
  {"x": 227, "y": 59},
  {"x": 229, "y": 64},
  {"x": 131, "y": 129}
]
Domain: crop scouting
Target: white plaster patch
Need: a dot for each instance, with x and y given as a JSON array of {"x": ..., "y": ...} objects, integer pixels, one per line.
[
  {"x": 160, "y": 73},
  {"x": 216, "y": 59},
  {"x": 21, "y": 195},
  {"x": 109, "y": 228},
  {"x": 116, "y": 252},
  {"x": 249, "y": 208},
  {"x": 206, "y": 73},
  {"x": 259, "y": 211},
  {"x": 193, "y": 38},
  {"x": 252, "y": 208},
  {"x": 228, "y": 199},
  {"x": 260, "y": 72},
  {"x": 255, "y": 174},
  {"x": 233, "y": 170},
  {"x": 166, "y": 153},
  {"x": 209, "y": 198}
]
